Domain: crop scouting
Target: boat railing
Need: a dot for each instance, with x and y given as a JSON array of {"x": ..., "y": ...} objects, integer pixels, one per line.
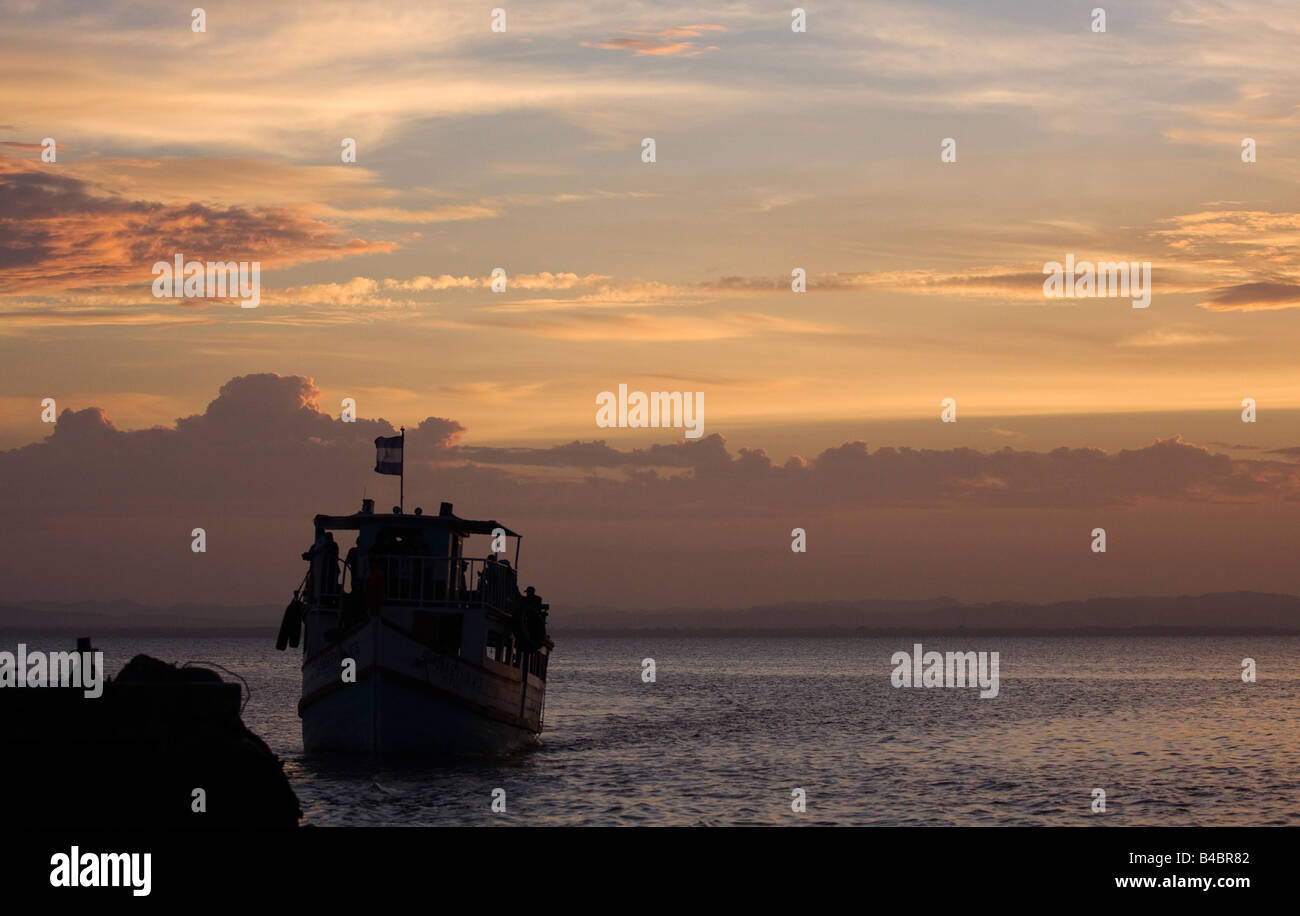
[{"x": 462, "y": 582}]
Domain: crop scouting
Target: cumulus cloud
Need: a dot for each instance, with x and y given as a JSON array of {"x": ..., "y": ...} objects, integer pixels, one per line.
[
  {"x": 265, "y": 456},
  {"x": 265, "y": 439}
]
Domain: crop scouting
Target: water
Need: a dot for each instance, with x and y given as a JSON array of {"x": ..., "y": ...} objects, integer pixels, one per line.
[{"x": 732, "y": 725}]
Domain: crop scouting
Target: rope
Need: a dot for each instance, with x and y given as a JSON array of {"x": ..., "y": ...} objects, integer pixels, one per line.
[{"x": 248, "y": 690}]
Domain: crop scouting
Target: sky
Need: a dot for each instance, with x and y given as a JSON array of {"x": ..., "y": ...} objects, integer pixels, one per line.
[{"x": 775, "y": 150}]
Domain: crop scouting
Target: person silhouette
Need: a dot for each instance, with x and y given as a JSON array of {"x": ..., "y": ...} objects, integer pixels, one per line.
[
  {"x": 324, "y": 559},
  {"x": 330, "y": 562},
  {"x": 530, "y": 619}
]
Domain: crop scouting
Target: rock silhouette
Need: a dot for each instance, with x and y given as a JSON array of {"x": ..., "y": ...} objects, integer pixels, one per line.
[{"x": 134, "y": 756}]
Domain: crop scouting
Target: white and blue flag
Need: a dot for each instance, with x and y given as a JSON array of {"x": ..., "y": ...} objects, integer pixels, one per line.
[{"x": 388, "y": 454}]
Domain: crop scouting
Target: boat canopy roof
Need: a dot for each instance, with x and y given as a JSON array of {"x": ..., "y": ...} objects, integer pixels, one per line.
[{"x": 358, "y": 520}]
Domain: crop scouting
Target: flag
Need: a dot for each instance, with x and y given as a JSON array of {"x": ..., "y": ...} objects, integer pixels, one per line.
[{"x": 388, "y": 454}]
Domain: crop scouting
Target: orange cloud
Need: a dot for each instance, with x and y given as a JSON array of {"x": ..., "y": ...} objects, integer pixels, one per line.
[
  {"x": 662, "y": 42},
  {"x": 1254, "y": 297},
  {"x": 676, "y": 327},
  {"x": 58, "y": 233}
]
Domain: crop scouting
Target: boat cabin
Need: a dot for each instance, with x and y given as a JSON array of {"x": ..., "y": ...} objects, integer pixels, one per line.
[{"x": 418, "y": 573}]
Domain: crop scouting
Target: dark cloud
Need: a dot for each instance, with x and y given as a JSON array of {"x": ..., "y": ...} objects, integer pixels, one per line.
[
  {"x": 853, "y": 474},
  {"x": 1249, "y": 297},
  {"x": 700, "y": 454},
  {"x": 263, "y": 446},
  {"x": 58, "y": 232},
  {"x": 109, "y": 511},
  {"x": 265, "y": 440}
]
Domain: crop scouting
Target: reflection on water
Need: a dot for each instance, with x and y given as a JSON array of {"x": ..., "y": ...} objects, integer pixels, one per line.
[{"x": 1163, "y": 724}]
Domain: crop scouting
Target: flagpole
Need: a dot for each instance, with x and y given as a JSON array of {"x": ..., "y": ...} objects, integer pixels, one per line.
[{"x": 401, "y": 485}]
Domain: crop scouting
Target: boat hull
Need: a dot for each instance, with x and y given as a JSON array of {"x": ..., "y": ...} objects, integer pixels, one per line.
[{"x": 406, "y": 698}]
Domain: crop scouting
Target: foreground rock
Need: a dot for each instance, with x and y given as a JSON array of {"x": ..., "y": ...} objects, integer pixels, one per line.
[{"x": 136, "y": 755}]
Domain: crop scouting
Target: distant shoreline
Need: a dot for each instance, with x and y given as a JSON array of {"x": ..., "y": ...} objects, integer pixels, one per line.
[
  {"x": 933, "y": 631},
  {"x": 715, "y": 632},
  {"x": 1213, "y": 614}
]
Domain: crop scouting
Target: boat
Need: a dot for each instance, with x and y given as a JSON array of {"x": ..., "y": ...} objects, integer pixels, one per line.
[{"x": 409, "y": 645}]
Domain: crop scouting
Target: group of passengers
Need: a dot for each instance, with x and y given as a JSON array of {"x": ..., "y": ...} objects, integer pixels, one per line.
[{"x": 497, "y": 582}]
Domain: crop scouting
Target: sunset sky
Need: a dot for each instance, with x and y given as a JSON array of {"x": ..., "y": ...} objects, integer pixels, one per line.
[{"x": 775, "y": 150}]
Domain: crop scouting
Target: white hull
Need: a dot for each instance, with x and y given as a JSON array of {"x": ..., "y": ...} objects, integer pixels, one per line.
[{"x": 410, "y": 698}]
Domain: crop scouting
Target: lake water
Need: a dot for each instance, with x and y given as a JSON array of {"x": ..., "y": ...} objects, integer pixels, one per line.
[{"x": 732, "y": 725}]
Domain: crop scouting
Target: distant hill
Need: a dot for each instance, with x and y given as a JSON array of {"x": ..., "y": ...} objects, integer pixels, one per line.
[
  {"x": 96, "y": 616},
  {"x": 1213, "y": 613},
  {"x": 1221, "y": 612}
]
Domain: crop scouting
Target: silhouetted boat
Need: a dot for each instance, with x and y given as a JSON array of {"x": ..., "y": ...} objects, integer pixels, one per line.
[{"x": 416, "y": 648}]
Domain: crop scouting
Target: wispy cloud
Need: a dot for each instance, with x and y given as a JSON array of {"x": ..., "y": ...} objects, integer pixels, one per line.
[
  {"x": 662, "y": 42},
  {"x": 1173, "y": 337},
  {"x": 640, "y": 326}
]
